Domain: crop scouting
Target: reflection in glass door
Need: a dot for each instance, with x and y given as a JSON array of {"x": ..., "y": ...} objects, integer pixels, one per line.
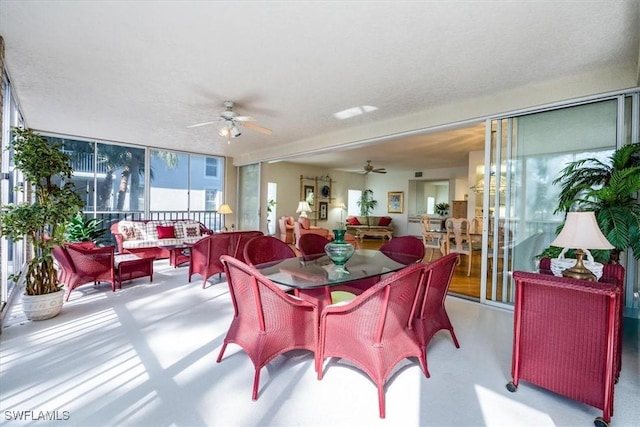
[{"x": 524, "y": 155}]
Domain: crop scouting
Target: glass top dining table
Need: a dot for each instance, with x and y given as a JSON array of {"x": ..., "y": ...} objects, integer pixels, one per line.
[{"x": 306, "y": 273}]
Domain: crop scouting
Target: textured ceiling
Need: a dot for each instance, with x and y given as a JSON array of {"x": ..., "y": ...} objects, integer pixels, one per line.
[{"x": 142, "y": 71}]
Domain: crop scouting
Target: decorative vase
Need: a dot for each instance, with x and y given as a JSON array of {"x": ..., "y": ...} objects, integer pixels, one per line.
[
  {"x": 339, "y": 251},
  {"x": 42, "y": 307}
]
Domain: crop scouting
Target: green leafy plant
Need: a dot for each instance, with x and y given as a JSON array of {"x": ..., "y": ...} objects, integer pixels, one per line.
[
  {"x": 442, "y": 209},
  {"x": 270, "y": 205},
  {"x": 41, "y": 221},
  {"x": 366, "y": 203},
  {"x": 82, "y": 228},
  {"x": 610, "y": 190}
]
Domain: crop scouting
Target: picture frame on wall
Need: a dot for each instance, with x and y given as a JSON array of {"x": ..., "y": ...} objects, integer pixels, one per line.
[
  {"x": 323, "y": 210},
  {"x": 308, "y": 194},
  {"x": 395, "y": 202}
]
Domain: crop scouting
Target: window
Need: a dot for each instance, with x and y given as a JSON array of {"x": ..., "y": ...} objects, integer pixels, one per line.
[
  {"x": 210, "y": 167},
  {"x": 353, "y": 196}
]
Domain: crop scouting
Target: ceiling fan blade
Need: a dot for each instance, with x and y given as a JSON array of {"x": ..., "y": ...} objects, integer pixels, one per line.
[
  {"x": 202, "y": 124},
  {"x": 244, "y": 119},
  {"x": 379, "y": 171},
  {"x": 257, "y": 128}
]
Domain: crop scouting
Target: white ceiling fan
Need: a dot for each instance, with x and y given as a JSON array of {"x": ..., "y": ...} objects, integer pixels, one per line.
[
  {"x": 228, "y": 121},
  {"x": 369, "y": 168}
]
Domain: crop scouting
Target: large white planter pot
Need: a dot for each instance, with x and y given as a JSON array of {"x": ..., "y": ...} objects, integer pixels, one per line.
[{"x": 41, "y": 307}]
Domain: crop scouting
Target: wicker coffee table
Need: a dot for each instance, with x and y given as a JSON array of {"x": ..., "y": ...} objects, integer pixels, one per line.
[
  {"x": 129, "y": 266},
  {"x": 374, "y": 233}
]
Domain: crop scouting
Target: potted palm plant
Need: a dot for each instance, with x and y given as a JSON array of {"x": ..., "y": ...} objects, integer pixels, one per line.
[
  {"x": 42, "y": 220},
  {"x": 366, "y": 204},
  {"x": 610, "y": 191}
]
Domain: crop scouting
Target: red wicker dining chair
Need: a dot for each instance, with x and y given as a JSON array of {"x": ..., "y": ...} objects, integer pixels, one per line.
[
  {"x": 431, "y": 315},
  {"x": 243, "y": 238},
  {"x": 374, "y": 331},
  {"x": 81, "y": 264},
  {"x": 404, "y": 245},
  {"x": 264, "y": 249},
  {"x": 267, "y": 322},
  {"x": 311, "y": 245}
]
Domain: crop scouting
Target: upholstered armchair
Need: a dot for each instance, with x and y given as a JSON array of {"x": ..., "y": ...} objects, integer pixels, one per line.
[
  {"x": 303, "y": 226},
  {"x": 286, "y": 224}
]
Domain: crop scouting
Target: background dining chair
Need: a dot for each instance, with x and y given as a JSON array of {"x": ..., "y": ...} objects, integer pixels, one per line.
[
  {"x": 431, "y": 315},
  {"x": 374, "y": 331},
  {"x": 264, "y": 249},
  {"x": 81, "y": 264},
  {"x": 458, "y": 239},
  {"x": 404, "y": 249},
  {"x": 267, "y": 322},
  {"x": 431, "y": 239}
]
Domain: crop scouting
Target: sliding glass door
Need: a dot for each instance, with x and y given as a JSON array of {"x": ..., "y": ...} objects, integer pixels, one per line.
[
  {"x": 524, "y": 154},
  {"x": 248, "y": 216}
]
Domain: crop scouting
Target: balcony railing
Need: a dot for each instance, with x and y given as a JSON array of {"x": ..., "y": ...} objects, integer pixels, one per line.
[
  {"x": 84, "y": 162},
  {"x": 211, "y": 219}
]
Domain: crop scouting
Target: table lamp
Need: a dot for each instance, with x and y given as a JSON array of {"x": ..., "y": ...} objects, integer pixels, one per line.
[
  {"x": 225, "y": 209},
  {"x": 581, "y": 232},
  {"x": 303, "y": 208}
]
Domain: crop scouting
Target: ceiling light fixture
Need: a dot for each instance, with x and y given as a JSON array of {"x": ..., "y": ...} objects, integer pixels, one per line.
[{"x": 355, "y": 111}]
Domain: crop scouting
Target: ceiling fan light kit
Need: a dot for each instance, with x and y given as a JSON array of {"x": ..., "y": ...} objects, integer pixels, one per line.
[{"x": 228, "y": 120}]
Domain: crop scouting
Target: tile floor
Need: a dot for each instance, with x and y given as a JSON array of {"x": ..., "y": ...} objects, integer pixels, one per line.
[{"x": 145, "y": 356}]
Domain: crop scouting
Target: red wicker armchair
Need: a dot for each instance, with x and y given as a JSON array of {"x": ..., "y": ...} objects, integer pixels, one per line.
[
  {"x": 206, "y": 252},
  {"x": 80, "y": 264},
  {"x": 374, "y": 331},
  {"x": 432, "y": 315},
  {"x": 267, "y": 322}
]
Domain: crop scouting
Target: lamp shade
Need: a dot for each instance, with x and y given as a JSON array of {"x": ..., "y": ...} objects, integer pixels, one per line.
[
  {"x": 303, "y": 208},
  {"x": 581, "y": 231},
  {"x": 224, "y": 209}
]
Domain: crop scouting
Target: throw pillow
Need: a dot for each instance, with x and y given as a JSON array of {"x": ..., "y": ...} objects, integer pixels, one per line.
[
  {"x": 128, "y": 232},
  {"x": 191, "y": 230},
  {"x": 353, "y": 221},
  {"x": 384, "y": 221},
  {"x": 166, "y": 232}
]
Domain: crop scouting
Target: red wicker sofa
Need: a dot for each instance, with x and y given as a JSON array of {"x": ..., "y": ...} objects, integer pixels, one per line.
[{"x": 150, "y": 238}]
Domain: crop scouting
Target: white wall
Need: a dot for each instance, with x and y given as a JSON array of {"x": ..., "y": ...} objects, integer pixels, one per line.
[
  {"x": 287, "y": 176},
  {"x": 381, "y": 184}
]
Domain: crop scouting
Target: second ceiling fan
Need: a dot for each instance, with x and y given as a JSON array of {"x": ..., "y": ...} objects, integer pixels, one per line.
[{"x": 368, "y": 168}]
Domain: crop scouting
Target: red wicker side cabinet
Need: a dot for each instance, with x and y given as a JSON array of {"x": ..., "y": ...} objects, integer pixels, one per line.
[{"x": 565, "y": 338}]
